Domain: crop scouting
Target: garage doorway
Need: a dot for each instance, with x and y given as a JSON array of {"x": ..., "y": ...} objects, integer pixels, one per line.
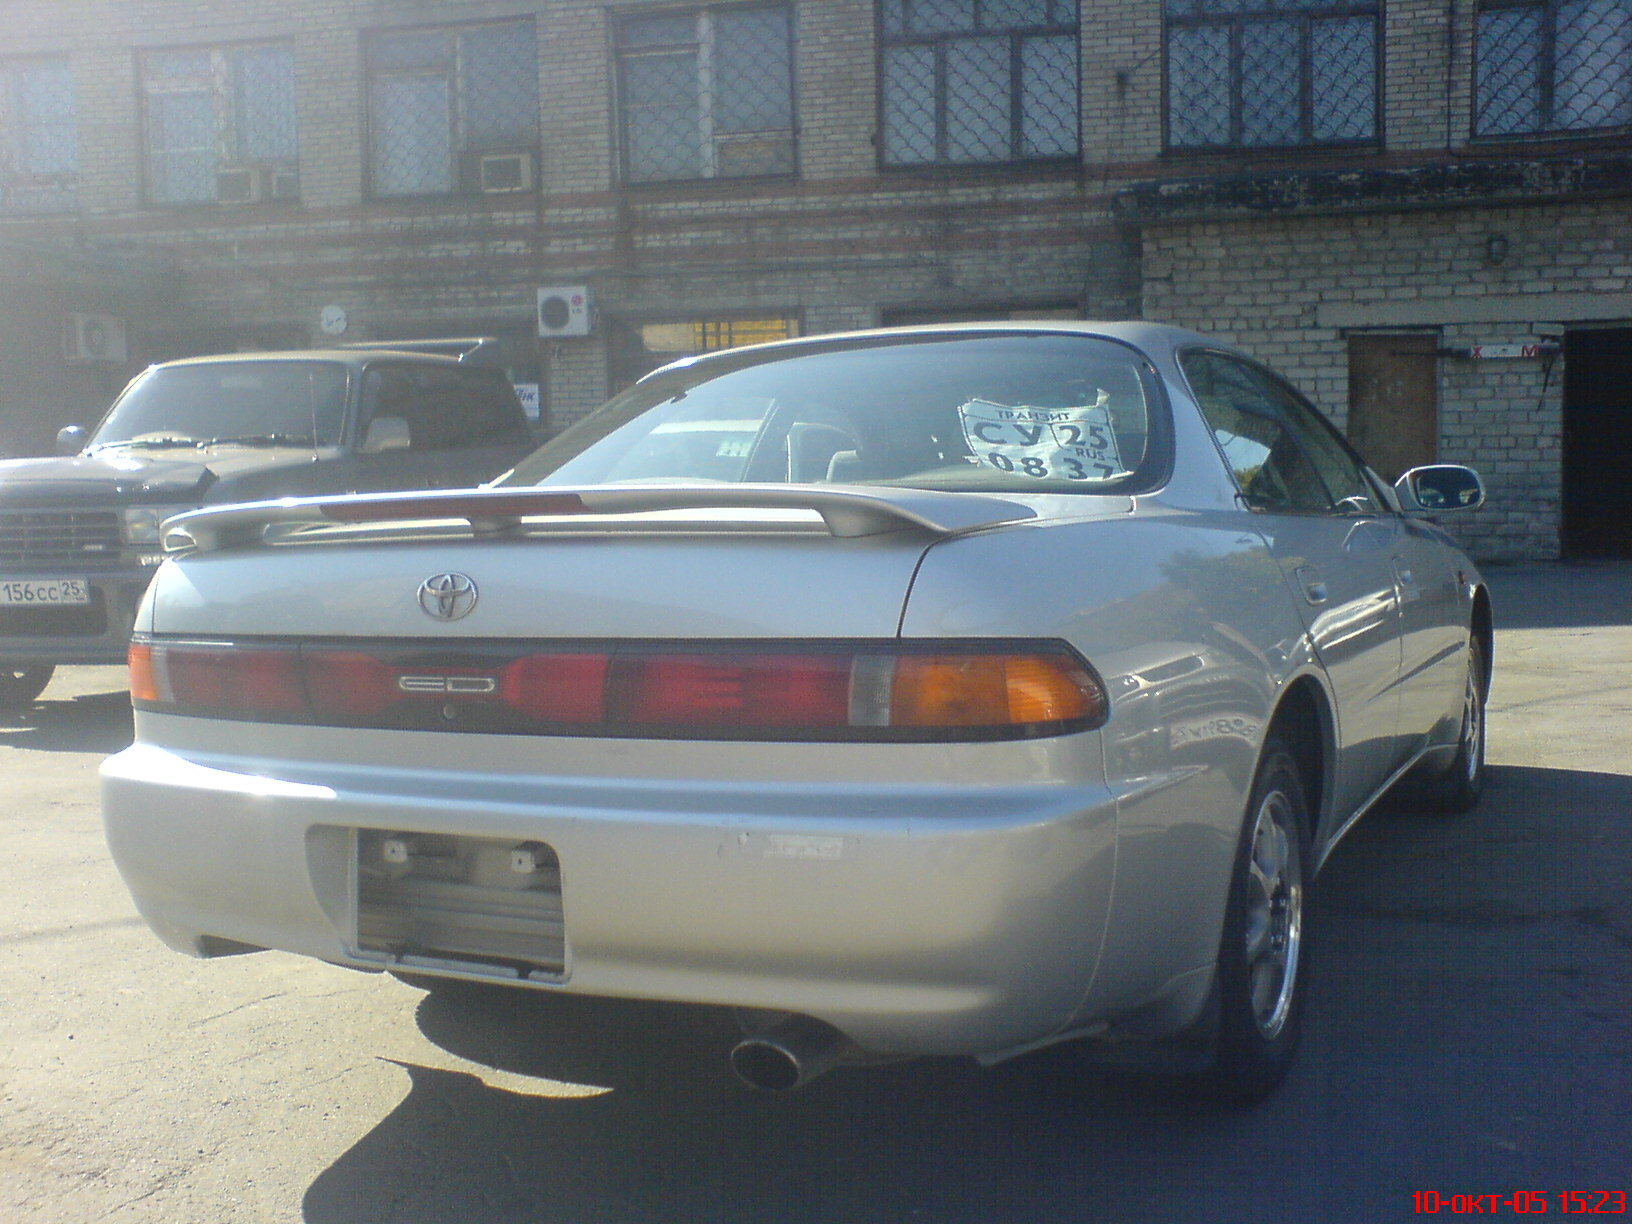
[
  {"x": 1394, "y": 400},
  {"x": 1598, "y": 442}
]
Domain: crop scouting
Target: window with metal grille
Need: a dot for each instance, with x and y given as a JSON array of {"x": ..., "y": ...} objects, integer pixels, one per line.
[
  {"x": 968, "y": 82},
  {"x": 220, "y": 125},
  {"x": 639, "y": 348},
  {"x": 453, "y": 110},
  {"x": 39, "y": 140},
  {"x": 1271, "y": 73},
  {"x": 1552, "y": 66},
  {"x": 706, "y": 93}
]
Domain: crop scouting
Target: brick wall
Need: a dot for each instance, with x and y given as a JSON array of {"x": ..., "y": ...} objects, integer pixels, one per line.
[
  {"x": 1291, "y": 290},
  {"x": 842, "y": 243},
  {"x": 836, "y": 246}
]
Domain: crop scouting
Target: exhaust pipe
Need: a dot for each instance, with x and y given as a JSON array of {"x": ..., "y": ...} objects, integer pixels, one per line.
[{"x": 789, "y": 1054}]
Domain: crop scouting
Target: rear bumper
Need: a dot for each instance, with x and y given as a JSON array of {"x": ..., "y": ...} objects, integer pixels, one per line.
[{"x": 957, "y": 908}]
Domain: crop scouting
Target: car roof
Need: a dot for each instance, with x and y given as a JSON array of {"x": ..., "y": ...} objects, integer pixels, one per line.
[
  {"x": 1157, "y": 340},
  {"x": 355, "y": 358}
]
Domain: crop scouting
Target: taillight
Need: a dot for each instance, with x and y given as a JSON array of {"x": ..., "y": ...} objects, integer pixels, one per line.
[
  {"x": 903, "y": 691},
  {"x": 219, "y": 677},
  {"x": 988, "y": 690},
  {"x": 556, "y": 688},
  {"x": 744, "y": 690}
]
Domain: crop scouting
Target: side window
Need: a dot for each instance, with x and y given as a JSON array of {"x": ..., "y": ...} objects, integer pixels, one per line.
[
  {"x": 444, "y": 409},
  {"x": 1282, "y": 455},
  {"x": 1343, "y": 474}
]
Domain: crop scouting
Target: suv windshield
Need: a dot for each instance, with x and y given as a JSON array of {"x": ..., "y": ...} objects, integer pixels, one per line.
[
  {"x": 294, "y": 403},
  {"x": 1013, "y": 412}
]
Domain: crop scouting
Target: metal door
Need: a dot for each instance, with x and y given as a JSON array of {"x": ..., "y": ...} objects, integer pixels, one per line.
[{"x": 1394, "y": 401}]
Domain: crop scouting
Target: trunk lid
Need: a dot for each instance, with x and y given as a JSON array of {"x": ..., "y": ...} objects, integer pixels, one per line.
[{"x": 595, "y": 563}]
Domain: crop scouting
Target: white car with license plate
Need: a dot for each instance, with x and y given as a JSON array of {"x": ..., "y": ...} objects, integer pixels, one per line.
[{"x": 943, "y": 691}]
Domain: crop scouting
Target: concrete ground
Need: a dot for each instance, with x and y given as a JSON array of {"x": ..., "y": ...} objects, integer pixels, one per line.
[{"x": 1471, "y": 1034}]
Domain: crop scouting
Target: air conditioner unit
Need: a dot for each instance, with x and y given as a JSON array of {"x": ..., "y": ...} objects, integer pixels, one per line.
[
  {"x": 239, "y": 185},
  {"x": 563, "y": 310},
  {"x": 93, "y": 337},
  {"x": 283, "y": 184},
  {"x": 501, "y": 173}
]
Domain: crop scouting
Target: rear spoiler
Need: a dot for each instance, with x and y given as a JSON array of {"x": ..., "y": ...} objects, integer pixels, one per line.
[{"x": 847, "y": 512}]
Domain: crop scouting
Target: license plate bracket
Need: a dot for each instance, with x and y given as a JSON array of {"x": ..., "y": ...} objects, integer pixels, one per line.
[{"x": 482, "y": 905}]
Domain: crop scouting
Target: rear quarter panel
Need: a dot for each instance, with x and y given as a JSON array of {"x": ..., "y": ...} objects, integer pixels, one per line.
[{"x": 1186, "y": 619}]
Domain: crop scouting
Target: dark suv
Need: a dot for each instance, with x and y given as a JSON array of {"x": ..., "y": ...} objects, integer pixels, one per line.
[{"x": 79, "y": 535}]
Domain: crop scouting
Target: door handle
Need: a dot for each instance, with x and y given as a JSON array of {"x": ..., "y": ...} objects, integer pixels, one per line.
[
  {"x": 1406, "y": 580},
  {"x": 1314, "y": 590}
]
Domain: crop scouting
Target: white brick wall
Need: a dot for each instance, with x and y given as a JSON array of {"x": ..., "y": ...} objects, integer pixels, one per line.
[
  {"x": 843, "y": 241},
  {"x": 1289, "y": 290}
]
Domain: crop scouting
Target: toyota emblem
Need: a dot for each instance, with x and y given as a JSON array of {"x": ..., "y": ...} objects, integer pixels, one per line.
[{"x": 447, "y": 597}]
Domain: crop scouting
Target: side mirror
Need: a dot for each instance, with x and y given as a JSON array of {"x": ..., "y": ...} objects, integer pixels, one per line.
[
  {"x": 1439, "y": 487},
  {"x": 71, "y": 439},
  {"x": 386, "y": 434}
]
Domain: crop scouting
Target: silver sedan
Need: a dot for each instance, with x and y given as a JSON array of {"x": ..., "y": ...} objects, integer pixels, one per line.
[{"x": 942, "y": 691}]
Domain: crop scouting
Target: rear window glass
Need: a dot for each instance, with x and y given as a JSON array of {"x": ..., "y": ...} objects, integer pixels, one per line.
[{"x": 1016, "y": 412}]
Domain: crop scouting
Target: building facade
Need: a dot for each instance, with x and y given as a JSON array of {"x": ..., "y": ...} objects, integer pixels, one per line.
[{"x": 1421, "y": 211}]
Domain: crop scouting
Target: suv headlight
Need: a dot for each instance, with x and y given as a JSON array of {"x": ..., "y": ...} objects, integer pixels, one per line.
[{"x": 142, "y": 524}]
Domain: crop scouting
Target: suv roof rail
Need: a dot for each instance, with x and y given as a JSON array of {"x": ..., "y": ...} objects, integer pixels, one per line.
[{"x": 471, "y": 350}]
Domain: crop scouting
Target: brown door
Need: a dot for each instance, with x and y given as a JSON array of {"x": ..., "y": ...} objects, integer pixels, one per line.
[{"x": 1394, "y": 401}]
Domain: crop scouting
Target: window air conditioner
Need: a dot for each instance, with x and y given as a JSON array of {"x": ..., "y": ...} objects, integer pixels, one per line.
[
  {"x": 283, "y": 184},
  {"x": 239, "y": 185},
  {"x": 93, "y": 337},
  {"x": 563, "y": 310},
  {"x": 501, "y": 173}
]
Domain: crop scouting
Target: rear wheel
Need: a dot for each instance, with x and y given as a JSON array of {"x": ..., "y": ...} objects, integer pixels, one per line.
[
  {"x": 20, "y": 684},
  {"x": 1262, "y": 960}
]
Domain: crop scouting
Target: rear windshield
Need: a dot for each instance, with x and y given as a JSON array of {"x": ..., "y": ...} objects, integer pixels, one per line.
[
  {"x": 1012, "y": 412},
  {"x": 294, "y": 403}
]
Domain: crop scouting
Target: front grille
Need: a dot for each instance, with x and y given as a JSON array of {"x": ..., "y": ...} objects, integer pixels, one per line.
[
  {"x": 58, "y": 620},
  {"x": 480, "y": 904},
  {"x": 53, "y": 536}
]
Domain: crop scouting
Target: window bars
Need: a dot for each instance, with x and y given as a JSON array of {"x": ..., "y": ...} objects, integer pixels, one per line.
[
  {"x": 967, "y": 82},
  {"x": 39, "y": 145},
  {"x": 706, "y": 93},
  {"x": 220, "y": 125},
  {"x": 1552, "y": 66},
  {"x": 453, "y": 110},
  {"x": 1271, "y": 73}
]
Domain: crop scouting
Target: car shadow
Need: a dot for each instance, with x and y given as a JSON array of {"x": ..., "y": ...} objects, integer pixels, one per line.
[
  {"x": 1429, "y": 1059},
  {"x": 651, "y": 1126},
  {"x": 88, "y": 722}
]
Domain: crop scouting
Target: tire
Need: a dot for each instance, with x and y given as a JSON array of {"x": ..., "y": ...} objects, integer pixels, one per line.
[
  {"x": 1263, "y": 963},
  {"x": 1457, "y": 788},
  {"x": 20, "y": 684}
]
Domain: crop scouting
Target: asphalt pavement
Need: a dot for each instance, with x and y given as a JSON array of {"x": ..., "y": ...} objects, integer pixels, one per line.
[{"x": 1471, "y": 1039}]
